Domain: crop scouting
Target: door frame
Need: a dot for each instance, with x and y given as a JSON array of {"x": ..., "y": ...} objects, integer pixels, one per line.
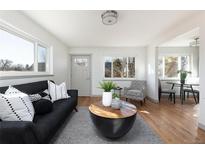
[{"x": 70, "y": 58}]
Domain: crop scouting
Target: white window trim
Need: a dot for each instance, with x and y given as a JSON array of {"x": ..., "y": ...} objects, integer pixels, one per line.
[
  {"x": 118, "y": 79},
  {"x": 49, "y": 57}
]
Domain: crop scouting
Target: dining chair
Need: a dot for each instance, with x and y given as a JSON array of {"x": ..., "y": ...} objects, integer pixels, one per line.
[
  {"x": 170, "y": 92},
  {"x": 189, "y": 90}
]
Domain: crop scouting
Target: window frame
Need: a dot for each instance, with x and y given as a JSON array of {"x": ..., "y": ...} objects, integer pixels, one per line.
[
  {"x": 23, "y": 35},
  {"x": 117, "y": 78},
  {"x": 178, "y": 68}
]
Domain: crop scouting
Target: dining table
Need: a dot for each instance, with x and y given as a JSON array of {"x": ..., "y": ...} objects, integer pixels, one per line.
[{"x": 181, "y": 86}]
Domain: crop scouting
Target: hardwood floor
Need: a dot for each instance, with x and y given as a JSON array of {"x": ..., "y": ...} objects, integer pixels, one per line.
[{"x": 175, "y": 123}]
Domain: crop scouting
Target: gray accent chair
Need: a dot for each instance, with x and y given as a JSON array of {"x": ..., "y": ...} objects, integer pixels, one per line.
[{"x": 136, "y": 91}]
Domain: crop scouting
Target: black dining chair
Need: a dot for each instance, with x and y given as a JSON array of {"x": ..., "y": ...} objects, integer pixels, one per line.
[
  {"x": 194, "y": 92},
  {"x": 170, "y": 92}
]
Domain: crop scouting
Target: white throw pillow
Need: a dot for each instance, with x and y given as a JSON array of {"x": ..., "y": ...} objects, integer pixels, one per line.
[
  {"x": 57, "y": 91},
  {"x": 16, "y": 107},
  {"x": 12, "y": 90}
]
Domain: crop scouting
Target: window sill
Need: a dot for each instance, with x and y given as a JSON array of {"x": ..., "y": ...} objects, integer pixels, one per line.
[
  {"x": 21, "y": 76},
  {"x": 119, "y": 79},
  {"x": 169, "y": 79}
]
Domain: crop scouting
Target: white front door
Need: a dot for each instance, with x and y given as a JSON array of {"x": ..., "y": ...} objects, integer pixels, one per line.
[{"x": 80, "y": 74}]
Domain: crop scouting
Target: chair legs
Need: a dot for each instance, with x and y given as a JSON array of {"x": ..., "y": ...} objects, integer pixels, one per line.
[
  {"x": 184, "y": 97},
  {"x": 159, "y": 95},
  {"x": 76, "y": 110},
  {"x": 172, "y": 97},
  {"x": 141, "y": 102}
]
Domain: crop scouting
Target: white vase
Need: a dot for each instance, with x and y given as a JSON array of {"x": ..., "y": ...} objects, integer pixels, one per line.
[{"x": 107, "y": 98}]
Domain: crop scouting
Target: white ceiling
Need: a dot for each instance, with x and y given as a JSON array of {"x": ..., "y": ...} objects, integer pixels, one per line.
[
  {"x": 85, "y": 29},
  {"x": 183, "y": 40}
]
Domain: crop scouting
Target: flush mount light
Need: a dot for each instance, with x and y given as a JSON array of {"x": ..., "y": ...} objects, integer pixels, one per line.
[
  {"x": 196, "y": 42},
  {"x": 109, "y": 17}
]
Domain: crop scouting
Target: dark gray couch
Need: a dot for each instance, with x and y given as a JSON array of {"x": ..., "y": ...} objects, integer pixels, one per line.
[{"x": 43, "y": 127}]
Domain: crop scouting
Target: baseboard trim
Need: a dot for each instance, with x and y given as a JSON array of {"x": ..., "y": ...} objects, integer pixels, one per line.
[
  {"x": 201, "y": 126},
  {"x": 95, "y": 95},
  {"x": 152, "y": 100}
]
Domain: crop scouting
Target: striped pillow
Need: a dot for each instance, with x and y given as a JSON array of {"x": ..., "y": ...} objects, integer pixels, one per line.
[{"x": 57, "y": 92}]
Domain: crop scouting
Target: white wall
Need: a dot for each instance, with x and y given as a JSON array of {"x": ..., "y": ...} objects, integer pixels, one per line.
[
  {"x": 60, "y": 60},
  {"x": 98, "y": 55},
  {"x": 202, "y": 74}
]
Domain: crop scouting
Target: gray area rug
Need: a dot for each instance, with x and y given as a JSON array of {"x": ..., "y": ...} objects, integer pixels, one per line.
[{"x": 79, "y": 129}]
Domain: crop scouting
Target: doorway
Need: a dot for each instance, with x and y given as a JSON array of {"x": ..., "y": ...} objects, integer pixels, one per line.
[{"x": 81, "y": 74}]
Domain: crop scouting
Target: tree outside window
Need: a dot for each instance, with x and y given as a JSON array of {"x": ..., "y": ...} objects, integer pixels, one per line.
[
  {"x": 169, "y": 65},
  {"x": 119, "y": 67}
]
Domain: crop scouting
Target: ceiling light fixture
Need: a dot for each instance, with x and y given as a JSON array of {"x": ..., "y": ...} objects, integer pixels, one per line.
[
  {"x": 109, "y": 17},
  {"x": 196, "y": 42}
]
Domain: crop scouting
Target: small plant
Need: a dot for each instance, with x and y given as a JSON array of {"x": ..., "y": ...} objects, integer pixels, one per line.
[
  {"x": 183, "y": 74},
  {"x": 115, "y": 96},
  {"x": 107, "y": 86}
]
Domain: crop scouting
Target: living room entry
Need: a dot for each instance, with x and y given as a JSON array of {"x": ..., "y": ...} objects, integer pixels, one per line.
[{"x": 81, "y": 74}]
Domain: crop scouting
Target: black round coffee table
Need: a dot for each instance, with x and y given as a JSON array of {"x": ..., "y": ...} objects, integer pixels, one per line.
[{"x": 112, "y": 123}]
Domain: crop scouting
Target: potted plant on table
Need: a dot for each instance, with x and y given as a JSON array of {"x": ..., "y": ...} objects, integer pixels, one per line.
[
  {"x": 107, "y": 86},
  {"x": 115, "y": 96},
  {"x": 183, "y": 75}
]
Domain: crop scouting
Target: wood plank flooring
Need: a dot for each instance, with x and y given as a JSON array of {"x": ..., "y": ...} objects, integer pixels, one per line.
[{"x": 175, "y": 123}]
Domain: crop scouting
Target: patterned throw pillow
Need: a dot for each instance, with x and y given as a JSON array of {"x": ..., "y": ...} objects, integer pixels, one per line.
[
  {"x": 41, "y": 95},
  {"x": 45, "y": 95},
  {"x": 35, "y": 97},
  {"x": 15, "y": 106}
]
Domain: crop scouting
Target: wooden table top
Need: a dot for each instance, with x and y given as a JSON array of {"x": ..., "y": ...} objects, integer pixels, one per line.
[{"x": 108, "y": 112}]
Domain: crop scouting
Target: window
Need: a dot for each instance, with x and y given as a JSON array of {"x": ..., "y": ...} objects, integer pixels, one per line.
[
  {"x": 17, "y": 54},
  {"x": 21, "y": 55},
  {"x": 119, "y": 67},
  {"x": 169, "y": 65},
  {"x": 42, "y": 54}
]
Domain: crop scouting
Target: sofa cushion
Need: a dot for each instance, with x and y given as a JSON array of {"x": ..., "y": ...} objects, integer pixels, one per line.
[
  {"x": 42, "y": 106},
  {"x": 46, "y": 125}
]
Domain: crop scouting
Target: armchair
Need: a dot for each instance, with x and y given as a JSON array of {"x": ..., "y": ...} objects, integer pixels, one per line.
[{"x": 136, "y": 91}]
